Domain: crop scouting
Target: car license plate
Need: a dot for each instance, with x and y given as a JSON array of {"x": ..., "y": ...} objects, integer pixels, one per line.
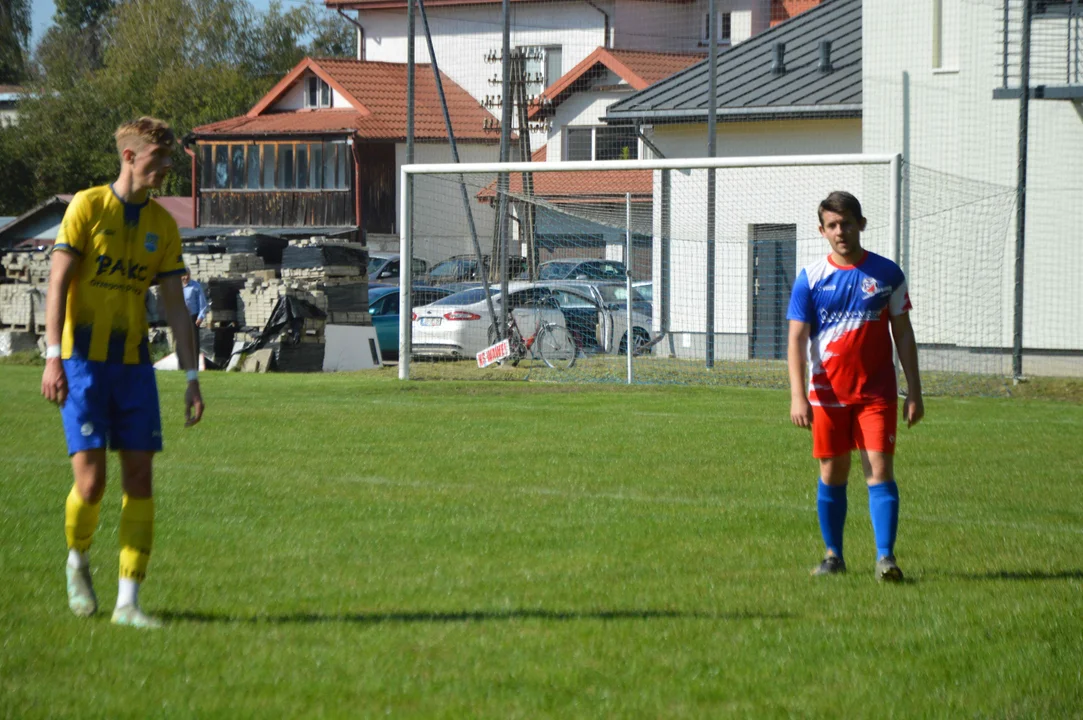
[{"x": 430, "y": 321}]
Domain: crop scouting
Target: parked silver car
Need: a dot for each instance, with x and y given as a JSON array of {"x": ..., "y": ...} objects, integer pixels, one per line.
[{"x": 596, "y": 313}]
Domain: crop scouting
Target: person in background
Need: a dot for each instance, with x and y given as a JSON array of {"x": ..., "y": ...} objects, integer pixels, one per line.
[{"x": 194, "y": 298}]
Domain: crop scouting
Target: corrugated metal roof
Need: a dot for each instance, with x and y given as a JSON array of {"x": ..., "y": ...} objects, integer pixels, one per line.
[
  {"x": 746, "y": 87},
  {"x": 377, "y": 93}
]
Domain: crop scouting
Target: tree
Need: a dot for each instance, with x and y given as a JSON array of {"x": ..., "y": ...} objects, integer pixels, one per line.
[
  {"x": 332, "y": 35},
  {"x": 81, "y": 14},
  {"x": 14, "y": 40}
]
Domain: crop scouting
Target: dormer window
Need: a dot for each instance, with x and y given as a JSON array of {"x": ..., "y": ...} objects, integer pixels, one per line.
[
  {"x": 724, "y": 33},
  {"x": 317, "y": 93}
]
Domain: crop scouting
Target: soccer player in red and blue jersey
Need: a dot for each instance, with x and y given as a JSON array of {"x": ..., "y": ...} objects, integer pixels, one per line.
[
  {"x": 113, "y": 243},
  {"x": 844, "y": 312}
]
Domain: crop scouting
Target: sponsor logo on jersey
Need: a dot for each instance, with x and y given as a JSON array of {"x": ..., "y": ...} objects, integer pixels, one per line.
[{"x": 838, "y": 316}]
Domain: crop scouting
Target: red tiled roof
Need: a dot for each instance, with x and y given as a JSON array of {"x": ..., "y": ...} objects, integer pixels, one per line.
[
  {"x": 782, "y": 10},
  {"x": 377, "y": 95},
  {"x": 582, "y": 186},
  {"x": 639, "y": 69}
]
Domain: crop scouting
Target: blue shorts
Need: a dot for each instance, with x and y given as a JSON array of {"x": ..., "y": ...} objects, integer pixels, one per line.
[{"x": 111, "y": 402}]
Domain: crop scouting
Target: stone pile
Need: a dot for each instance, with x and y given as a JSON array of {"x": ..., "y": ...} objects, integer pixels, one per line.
[
  {"x": 22, "y": 306},
  {"x": 29, "y": 266},
  {"x": 207, "y": 266}
]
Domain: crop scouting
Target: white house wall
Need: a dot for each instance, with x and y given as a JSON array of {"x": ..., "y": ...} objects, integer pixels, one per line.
[
  {"x": 752, "y": 139},
  {"x": 678, "y": 27},
  {"x": 952, "y": 125},
  {"x": 746, "y": 198}
]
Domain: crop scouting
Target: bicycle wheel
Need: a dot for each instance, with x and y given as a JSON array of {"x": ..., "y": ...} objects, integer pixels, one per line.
[
  {"x": 515, "y": 340},
  {"x": 556, "y": 347}
]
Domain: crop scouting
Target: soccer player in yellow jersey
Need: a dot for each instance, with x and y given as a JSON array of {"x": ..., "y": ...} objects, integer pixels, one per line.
[{"x": 113, "y": 243}]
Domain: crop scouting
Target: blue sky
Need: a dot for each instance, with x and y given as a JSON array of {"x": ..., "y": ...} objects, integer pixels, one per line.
[{"x": 42, "y": 12}]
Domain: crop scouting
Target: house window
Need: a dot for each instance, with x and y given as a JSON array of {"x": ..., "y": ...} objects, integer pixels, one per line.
[
  {"x": 284, "y": 176},
  {"x": 579, "y": 144},
  {"x": 207, "y": 177},
  {"x": 341, "y": 182},
  {"x": 946, "y": 22},
  {"x": 542, "y": 67},
  {"x": 725, "y": 28},
  {"x": 221, "y": 167},
  {"x": 315, "y": 166},
  {"x": 618, "y": 142},
  {"x": 302, "y": 166},
  {"x": 237, "y": 166},
  {"x": 253, "y": 167},
  {"x": 269, "y": 167},
  {"x": 317, "y": 93},
  {"x": 275, "y": 166}
]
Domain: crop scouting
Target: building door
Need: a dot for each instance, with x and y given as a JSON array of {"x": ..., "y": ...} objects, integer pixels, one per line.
[{"x": 774, "y": 266}]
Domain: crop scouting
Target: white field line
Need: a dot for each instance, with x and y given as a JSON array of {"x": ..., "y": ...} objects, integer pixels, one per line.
[
  {"x": 448, "y": 488},
  {"x": 671, "y": 500}
]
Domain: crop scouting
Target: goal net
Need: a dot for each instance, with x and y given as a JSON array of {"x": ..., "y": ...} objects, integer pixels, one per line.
[{"x": 689, "y": 263}]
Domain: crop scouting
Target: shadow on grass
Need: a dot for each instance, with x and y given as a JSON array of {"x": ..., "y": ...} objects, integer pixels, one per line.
[
  {"x": 464, "y": 616},
  {"x": 1024, "y": 575}
]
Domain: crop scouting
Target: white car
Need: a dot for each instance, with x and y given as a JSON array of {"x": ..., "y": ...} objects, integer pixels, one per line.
[{"x": 458, "y": 326}]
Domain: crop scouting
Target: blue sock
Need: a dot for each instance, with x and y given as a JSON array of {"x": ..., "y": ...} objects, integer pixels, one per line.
[
  {"x": 884, "y": 510},
  {"x": 831, "y": 507}
]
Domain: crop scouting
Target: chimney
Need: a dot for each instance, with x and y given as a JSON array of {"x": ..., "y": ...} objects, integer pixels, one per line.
[
  {"x": 825, "y": 57},
  {"x": 778, "y": 63}
]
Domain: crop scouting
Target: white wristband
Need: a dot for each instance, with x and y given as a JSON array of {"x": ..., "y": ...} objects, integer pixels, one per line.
[
  {"x": 193, "y": 375},
  {"x": 52, "y": 351}
]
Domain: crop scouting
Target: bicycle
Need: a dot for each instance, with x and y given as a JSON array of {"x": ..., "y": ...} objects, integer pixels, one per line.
[{"x": 551, "y": 343}]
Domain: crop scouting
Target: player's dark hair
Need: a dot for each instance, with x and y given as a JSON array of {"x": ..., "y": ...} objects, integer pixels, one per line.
[{"x": 840, "y": 202}]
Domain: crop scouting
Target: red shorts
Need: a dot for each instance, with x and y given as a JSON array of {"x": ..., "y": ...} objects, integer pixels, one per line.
[{"x": 839, "y": 430}]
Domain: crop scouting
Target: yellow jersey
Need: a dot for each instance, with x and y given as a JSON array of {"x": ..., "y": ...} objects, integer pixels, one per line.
[{"x": 122, "y": 248}]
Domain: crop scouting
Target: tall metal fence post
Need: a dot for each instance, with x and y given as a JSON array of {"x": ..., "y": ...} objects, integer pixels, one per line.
[
  {"x": 505, "y": 151},
  {"x": 895, "y": 223},
  {"x": 1021, "y": 196},
  {"x": 629, "y": 344},
  {"x": 712, "y": 123},
  {"x": 895, "y": 209},
  {"x": 406, "y": 251}
]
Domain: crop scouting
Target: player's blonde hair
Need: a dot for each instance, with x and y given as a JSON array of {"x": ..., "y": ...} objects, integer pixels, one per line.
[{"x": 144, "y": 131}]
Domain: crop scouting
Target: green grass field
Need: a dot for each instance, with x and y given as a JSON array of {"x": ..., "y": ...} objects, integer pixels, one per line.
[{"x": 352, "y": 546}]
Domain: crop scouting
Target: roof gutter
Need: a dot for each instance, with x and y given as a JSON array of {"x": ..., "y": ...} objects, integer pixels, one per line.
[
  {"x": 646, "y": 141},
  {"x": 607, "y": 44},
  {"x": 360, "y": 32}
]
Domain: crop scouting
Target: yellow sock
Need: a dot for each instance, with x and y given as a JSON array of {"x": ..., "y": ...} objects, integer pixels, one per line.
[
  {"x": 136, "y": 536},
  {"x": 80, "y": 521}
]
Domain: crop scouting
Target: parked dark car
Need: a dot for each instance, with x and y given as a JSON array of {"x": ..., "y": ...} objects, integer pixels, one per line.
[
  {"x": 580, "y": 269},
  {"x": 384, "y": 308},
  {"x": 383, "y": 267},
  {"x": 464, "y": 268}
]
